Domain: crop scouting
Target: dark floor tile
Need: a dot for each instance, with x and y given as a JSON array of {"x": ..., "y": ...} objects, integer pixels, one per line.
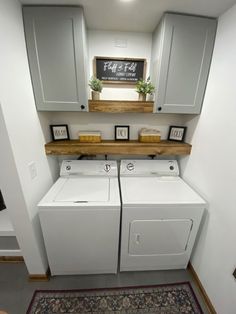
[{"x": 16, "y": 291}]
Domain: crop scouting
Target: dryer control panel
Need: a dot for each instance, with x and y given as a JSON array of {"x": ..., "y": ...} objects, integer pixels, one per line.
[
  {"x": 88, "y": 168},
  {"x": 149, "y": 167}
]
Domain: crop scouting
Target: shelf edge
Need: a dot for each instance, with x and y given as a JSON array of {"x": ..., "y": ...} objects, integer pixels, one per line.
[{"x": 74, "y": 147}]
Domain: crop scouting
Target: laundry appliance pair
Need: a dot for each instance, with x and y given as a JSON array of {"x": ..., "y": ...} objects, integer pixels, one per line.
[{"x": 147, "y": 213}]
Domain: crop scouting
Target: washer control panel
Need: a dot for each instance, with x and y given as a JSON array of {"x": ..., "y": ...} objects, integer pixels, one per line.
[{"x": 88, "y": 168}]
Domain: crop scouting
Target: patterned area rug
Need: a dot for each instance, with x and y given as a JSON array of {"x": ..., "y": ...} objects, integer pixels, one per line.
[{"x": 163, "y": 299}]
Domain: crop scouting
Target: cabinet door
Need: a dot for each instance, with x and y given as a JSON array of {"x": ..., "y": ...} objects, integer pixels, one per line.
[
  {"x": 55, "y": 38},
  {"x": 185, "y": 59}
]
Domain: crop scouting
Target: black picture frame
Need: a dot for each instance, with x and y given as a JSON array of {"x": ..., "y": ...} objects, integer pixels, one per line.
[
  {"x": 116, "y": 70},
  {"x": 177, "y": 133},
  {"x": 122, "y": 132},
  {"x": 59, "y": 132}
]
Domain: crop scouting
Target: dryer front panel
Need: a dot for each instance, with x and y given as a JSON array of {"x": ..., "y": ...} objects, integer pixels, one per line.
[{"x": 157, "y": 237}]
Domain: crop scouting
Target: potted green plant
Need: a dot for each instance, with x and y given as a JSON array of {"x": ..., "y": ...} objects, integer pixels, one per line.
[
  {"x": 143, "y": 88},
  {"x": 96, "y": 86}
]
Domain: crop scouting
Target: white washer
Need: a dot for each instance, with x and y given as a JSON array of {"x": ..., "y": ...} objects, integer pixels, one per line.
[
  {"x": 160, "y": 216},
  {"x": 80, "y": 218}
]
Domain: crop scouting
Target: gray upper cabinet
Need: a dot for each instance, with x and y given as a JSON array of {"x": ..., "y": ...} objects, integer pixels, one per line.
[
  {"x": 181, "y": 57},
  {"x": 56, "y": 44}
]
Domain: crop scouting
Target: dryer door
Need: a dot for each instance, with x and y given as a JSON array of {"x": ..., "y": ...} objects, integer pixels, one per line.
[{"x": 159, "y": 237}]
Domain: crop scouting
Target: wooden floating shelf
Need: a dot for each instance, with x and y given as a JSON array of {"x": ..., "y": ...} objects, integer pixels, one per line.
[
  {"x": 120, "y": 106},
  {"x": 108, "y": 147}
]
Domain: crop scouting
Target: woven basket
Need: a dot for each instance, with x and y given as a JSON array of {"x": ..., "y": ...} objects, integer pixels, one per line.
[
  {"x": 89, "y": 136},
  {"x": 90, "y": 139},
  {"x": 149, "y": 135},
  {"x": 149, "y": 138}
]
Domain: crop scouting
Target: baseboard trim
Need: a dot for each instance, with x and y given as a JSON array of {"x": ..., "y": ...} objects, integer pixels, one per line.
[
  {"x": 207, "y": 300},
  {"x": 40, "y": 277},
  {"x": 11, "y": 259}
]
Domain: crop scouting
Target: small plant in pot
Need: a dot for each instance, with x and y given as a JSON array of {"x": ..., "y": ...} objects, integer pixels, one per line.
[
  {"x": 143, "y": 88},
  {"x": 96, "y": 87}
]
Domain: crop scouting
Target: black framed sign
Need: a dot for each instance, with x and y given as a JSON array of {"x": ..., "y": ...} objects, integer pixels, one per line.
[
  {"x": 122, "y": 132},
  {"x": 60, "y": 132},
  {"x": 119, "y": 70},
  {"x": 177, "y": 133}
]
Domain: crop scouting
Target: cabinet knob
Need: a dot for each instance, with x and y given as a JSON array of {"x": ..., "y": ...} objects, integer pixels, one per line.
[
  {"x": 159, "y": 108},
  {"x": 82, "y": 107}
]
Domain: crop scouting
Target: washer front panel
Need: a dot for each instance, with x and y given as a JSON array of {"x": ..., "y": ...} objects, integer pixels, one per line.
[{"x": 81, "y": 242}]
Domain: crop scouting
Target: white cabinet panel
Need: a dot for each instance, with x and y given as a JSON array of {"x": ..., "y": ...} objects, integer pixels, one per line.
[
  {"x": 56, "y": 45},
  {"x": 181, "y": 57}
]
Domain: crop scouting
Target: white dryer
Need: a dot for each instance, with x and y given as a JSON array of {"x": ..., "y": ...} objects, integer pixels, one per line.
[
  {"x": 80, "y": 218},
  {"x": 160, "y": 216}
]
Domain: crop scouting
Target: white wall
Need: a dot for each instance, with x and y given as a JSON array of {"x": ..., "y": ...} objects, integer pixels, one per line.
[
  {"x": 211, "y": 169},
  {"x": 105, "y": 122},
  {"x": 22, "y": 140},
  {"x": 102, "y": 43}
]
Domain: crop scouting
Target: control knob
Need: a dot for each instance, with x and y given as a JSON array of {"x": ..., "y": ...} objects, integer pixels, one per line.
[
  {"x": 107, "y": 167},
  {"x": 130, "y": 166}
]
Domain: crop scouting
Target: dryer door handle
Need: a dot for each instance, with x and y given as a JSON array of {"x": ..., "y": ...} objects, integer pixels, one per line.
[{"x": 137, "y": 238}]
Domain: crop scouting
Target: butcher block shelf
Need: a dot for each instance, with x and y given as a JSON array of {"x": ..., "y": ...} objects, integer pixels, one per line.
[
  {"x": 108, "y": 147},
  {"x": 120, "y": 106}
]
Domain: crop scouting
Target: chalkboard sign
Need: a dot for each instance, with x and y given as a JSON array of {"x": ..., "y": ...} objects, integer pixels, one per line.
[{"x": 119, "y": 70}]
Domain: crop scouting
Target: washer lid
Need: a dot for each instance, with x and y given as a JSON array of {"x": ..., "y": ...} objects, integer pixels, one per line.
[
  {"x": 157, "y": 190},
  {"x": 83, "y": 190}
]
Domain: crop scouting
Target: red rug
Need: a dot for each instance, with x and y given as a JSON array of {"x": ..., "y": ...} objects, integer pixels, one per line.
[{"x": 163, "y": 299}]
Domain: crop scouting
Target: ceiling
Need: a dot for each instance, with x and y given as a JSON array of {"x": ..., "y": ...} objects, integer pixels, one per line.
[{"x": 137, "y": 15}]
